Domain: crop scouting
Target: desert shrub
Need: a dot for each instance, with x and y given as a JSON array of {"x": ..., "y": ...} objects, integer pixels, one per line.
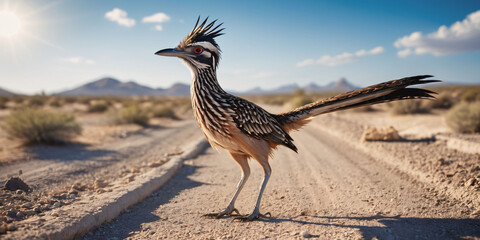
[
  {"x": 18, "y": 99},
  {"x": 299, "y": 101},
  {"x": 161, "y": 111},
  {"x": 40, "y": 126},
  {"x": 69, "y": 99},
  {"x": 98, "y": 107},
  {"x": 471, "y": 95},
  {"x": 300, "y": 98},
  {"x": 3, "y": 102},
  {"x": 37, "y": 101},
  {"x": 444, "y": 100},
  {"x": 55, "y": 102},
  {"x": 408, "y": 107},
  {"x": 464, "y": 117},
  {"x": 84, "y": 100},
  {"x": 132, "y": 113}
]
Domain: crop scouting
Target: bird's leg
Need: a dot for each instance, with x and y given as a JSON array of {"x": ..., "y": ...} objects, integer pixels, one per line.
[
  {"x": 256, "y": 211},
  {"x": 242, "y": 161}
]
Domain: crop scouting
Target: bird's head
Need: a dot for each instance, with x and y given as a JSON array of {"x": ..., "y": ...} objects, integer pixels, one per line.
[{"x": 198, "y": 49}]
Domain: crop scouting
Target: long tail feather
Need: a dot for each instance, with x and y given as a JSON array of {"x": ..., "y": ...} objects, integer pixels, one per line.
[{"x": 379, "y": 93}]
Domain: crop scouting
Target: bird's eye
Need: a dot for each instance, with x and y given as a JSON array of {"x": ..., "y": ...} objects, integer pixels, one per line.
[{"x": 198, "y": 50}]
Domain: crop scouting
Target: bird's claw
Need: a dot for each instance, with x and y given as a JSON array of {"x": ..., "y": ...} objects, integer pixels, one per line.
[
  {"x": 222, "y": 213},
  {"x": 251, "y": 217}
]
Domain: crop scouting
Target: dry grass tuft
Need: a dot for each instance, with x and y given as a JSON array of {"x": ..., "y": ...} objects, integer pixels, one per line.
[
  {"x": 464, "y": 117},
  {"x": 98, "y": 107},
  {"x": 133, "y": 113},
  {"x": 3, "y": 102},
  {"x": 471, "y": 95},
  {"x": 41, "y": 126},
  {"x": 409, "y": 107},
  {"x": 162, "y": 111}
]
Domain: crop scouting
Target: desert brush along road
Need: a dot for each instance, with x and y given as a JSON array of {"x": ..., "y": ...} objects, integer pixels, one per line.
[{"x": 246, "y": 130}]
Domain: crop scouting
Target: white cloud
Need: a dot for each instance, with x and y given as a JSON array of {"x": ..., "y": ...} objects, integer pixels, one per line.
[
  {"x": 376, "y": 50},
  {"x": 404, "y": 53},
  {"x": 156, "y": 18},
  {"x": 462, "y": 36},
  {"x": 80, "y": 60},
  {"x": 341, "y": 59},
  {"x": 120, "y": 16}
]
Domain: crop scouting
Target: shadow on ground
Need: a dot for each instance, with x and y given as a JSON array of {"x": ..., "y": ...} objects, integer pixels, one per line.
[
  {"x": 399, "y": 227},
  {"x": 144, "y": 211},
  {"x": 70, "y": 152}
]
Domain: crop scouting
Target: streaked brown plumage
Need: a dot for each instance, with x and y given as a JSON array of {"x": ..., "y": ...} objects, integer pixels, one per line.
[{"x": 246, "y": 130}]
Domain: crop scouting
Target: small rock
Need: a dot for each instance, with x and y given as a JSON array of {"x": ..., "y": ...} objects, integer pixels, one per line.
[
  {"x": 37, "y": 209},
  {"x": 381, "y": 134},
  {"x": 470, "y": 182},
  {"x": 16, "y": 183},
  {"x": 72, "y": 192},
  {"x": 27, "y": 205},
  {"x": 130, "y": 179},
  {"x": 440, "y": 162},
  {"x": 12, "y": 213},
  {"x": 54, "y": 214},
  {"x": 56, "y": 205},
  {"x": 3, "y": 228},
  {"x": 11, "y": 227},
  {"x": 99, "y": 184},
  {"x": 305, "y": 234},
  {"x": 135, "y": 170},
  {"x": 20, "y": 214},
  {"x": 450, "y": 174},
  {"x": 78, "y": 187},
  {"x": 19, "y": 192},
  {"x": 29, "y": 212}
]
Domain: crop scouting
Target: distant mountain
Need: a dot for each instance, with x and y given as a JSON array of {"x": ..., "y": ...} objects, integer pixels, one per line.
[
  {"x": 341, "y": 85},
  {"x": 6, "y": 93},
  {"x": 110, "y": 87},
  {"x": 114, "y": 87},
  {"x": 177, "y": 89}
]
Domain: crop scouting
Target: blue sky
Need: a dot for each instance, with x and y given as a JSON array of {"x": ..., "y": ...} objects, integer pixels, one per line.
[{"x": 63, "y": 44}]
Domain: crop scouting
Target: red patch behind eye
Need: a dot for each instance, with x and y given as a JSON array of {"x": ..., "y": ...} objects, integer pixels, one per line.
[{"x": 198, "y": 50}]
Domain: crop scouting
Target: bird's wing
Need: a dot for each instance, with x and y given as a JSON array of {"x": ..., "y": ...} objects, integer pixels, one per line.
[{"x": 255, "y": 122}]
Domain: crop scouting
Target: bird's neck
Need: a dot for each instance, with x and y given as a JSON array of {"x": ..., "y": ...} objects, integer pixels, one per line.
[{"x": 205, "y": 82}]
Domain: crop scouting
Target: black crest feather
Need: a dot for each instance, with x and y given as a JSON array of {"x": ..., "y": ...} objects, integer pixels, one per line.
[{"x": 203, "y": 32}]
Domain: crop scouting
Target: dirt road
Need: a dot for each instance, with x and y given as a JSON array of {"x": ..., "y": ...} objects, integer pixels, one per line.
[{"x": 328, "y": 190}]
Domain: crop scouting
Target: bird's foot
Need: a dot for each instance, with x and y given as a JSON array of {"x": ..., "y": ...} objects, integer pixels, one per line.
[
  {"x": 226, "y": 212},
  {"x": 254, "y": 216}
]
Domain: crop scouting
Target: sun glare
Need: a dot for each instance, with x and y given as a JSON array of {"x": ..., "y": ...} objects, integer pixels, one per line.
[{"x": 9, "y": 24}]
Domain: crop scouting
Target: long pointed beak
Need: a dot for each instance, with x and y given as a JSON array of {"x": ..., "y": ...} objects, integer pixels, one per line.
[{"x": 171, "y": 52}]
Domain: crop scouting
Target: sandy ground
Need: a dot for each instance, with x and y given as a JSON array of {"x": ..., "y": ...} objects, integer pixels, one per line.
[{"x": 329, "y": 190}]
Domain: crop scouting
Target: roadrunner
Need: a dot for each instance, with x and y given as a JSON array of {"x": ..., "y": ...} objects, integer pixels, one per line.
[{"x": 246, "y": 130}]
